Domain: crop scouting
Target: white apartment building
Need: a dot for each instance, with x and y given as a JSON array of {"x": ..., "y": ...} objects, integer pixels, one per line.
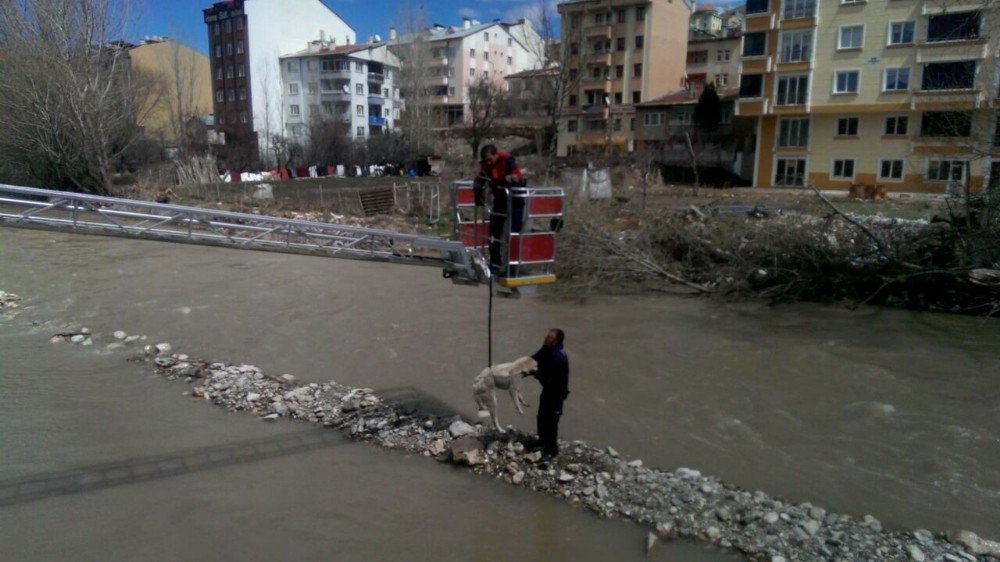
[
  {"x": 455, "y": 57},
  {"x": 351, "y": 84},
  {"x": 246, "y": 39}
]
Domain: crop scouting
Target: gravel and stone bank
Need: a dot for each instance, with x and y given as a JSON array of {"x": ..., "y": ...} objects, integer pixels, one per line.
[{"x": 683, "y": 503}]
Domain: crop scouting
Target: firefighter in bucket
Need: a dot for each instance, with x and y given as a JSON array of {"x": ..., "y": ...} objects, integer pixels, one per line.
[{"x": 498, "y": 173}]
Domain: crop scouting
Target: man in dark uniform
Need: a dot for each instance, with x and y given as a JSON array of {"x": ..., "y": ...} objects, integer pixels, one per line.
[
  {"x": 498, "y": 170},
  {"x": 553, "y": 374}
]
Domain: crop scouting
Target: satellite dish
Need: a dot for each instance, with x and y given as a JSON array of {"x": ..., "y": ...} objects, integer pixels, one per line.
[
  {"x": 378, "y": 38},
  {"x": 347, "y": 89}
]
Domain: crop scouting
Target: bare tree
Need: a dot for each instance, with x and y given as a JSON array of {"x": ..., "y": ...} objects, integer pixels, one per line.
[
  {"x": 186, "y": 82},
  {"x": 487, "y": 102},
  {"x": 69, "y": 103},
  {"x": 418, "y": 119}
]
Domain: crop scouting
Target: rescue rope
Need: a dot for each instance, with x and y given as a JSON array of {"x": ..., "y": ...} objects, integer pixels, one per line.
[{"x": 489, "y": 328}]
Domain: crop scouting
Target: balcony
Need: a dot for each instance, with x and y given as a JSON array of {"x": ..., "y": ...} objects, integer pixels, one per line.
[
  {"x": 376, "y": 77},
  {"x": 331, "y": 95},
  {"x": 599, "y": 58},
  {"x": 375, "y": 99},
  {"x": 336, "y": 73},
  {"x": 597, "y": 32},
  {"x": 380, "y": 121}
]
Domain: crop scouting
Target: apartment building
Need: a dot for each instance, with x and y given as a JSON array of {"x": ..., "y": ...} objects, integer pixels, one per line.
[
  {"x": 184, "y": 80},
  {"x": 454, "y": 57},
  {"x": 714, "y": 60},
  {"x": 895, "y": 92},
  {"x": 354, "y": 85},
  {"x": 620, "y": 53},
  {"x": 245, "y": 40}
]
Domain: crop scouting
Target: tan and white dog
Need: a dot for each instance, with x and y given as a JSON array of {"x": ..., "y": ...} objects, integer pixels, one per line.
[{"x": 506, "y": 376}]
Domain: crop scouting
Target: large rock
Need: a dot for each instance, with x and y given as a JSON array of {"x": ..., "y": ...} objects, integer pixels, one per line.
[
  {"x": 459, "y": 428},
  {"x": 973, "y": 544},
  {"x": 468, "y": 450}
]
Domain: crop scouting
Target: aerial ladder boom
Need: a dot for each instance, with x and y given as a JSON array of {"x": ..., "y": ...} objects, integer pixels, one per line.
[{"x": 92, "y": 214}]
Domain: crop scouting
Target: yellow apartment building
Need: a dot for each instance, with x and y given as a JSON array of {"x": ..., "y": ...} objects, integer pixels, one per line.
[
  {"x": 183, "y": 78},
  {"x": 619, "y": 53},
  {"x": 894, "y": 92}
]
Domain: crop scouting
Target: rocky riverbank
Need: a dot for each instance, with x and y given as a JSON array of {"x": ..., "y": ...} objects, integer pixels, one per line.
[{"x": 678, "y": 504}]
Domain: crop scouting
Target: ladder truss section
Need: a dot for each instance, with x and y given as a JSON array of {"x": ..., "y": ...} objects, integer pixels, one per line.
[{"x": 92, "y": 214}]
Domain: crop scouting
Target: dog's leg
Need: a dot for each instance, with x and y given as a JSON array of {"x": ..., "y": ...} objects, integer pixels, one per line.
[
  {"x": 493, "y": 412},
  {"x": 515, "y": 395}
]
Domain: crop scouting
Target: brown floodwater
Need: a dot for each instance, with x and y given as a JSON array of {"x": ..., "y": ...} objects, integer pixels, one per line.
[{"x": 880, "y": 412}]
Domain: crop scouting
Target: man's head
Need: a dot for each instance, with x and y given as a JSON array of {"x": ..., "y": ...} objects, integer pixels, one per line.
[
  {"x": 554, "y": 337},
  {"x": 488, "y": 153}
]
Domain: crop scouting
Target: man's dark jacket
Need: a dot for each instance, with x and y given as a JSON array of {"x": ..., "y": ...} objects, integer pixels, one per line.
[{"x": 553, "y": 374}]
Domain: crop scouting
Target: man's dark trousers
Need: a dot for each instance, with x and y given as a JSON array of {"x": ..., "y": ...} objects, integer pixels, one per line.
[{"x": 549, "y": 412}]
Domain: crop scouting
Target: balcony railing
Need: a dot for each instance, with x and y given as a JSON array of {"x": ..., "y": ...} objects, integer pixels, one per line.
[
  {"x": 597, "y": 32},
  {"x": 376, "y": 77},
  {"x": 334, "y": 95},
  {"x": 377, "y": 121},
  {"x": 336, "y": 73}
]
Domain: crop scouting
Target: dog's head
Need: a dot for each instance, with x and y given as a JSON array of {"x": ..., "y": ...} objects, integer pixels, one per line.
[{"x": 523, "y": 366}]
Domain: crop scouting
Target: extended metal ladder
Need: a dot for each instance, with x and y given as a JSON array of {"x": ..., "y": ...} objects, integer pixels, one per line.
[{"x": 91, "y": 214}]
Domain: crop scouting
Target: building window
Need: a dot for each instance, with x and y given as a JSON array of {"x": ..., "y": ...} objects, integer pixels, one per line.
[
  {"x": 241, "y": 71},
  {"x": 229, "y": 49},
  {"x": 472, "y": 73},
  {"x": 361, "y": 131},
  {"x": 681, "y": 116},
  {"x": 244, "y": 117},
  {"x": 472, "y": 53},
  {"x": 896, "y": 79},
  {"x": 243, "y": 92},
  {"x": 571, "y": 125},
  {"x": 901, "y": 32},
  {"x": 621, "y": 16},
  {"x": 798, "y": 9},
  {"x": 359, "y": 89},
  {"x": 896, "y": 125},
  {"x": 843, "y": 169},
  {"x": 510, "y": 42},
  {"x": 847, "y": 127},
  {"x": 618, "y": 98},
  {"x": 754, "y": 44},
  {"x": 220, "y": 96},
  {"x": 574, "y": 48},
  {"x": 229, "y": 71},
  {"x": 218, "y": 73},
  {"x": 239, "y": 23},
  {"x": 758, "y": 6},
  {"x": 636, "y": 97},
  {"x": 227, "y": 26},
  {"x": 721, "y": 80},
  {"x": 486, "y": 37},
  {"x": 654, "y": 119},
  {"x": 751, "y": 85},
  {"x": 215, "y": 28},
  {"x": 959, "y": 75},
  {"x": 218, "y": 51},
  {"x": 639, "y": 41},
  {"x": 640, "y": 14},
  {"x": 890, "y": 169},
  {"x": 796, "y": 46},
  {"x": 293, "y": 110},
  {"x": 953, "y": 27},
  {"x": 790, "y": 172},
  {"x": 571, "y": 102},
  {"x": 239, "y": 47},
  {"x": 723, "y": 55},
  {"x": 636, "y": 70},
  {"x": 945, "y": 170},
  {"x": 619, "y": 44},
  {"x": 361, "y": 111},
  {"x": 510, "y": 61},
  {"x": 793, "y": 132},
  {"x": 946, "y": 124},
  {"x": 697, "y": 57},
  {"x": 792, "y": 90},
  {"x": 231, "y": 94},
  {"x": 293, "y": 89},
  {"x": 292, "y": 66},
  {"x": 851, "y": 37},
  {"x": 846, "y": 81},
  {"x": 486, "y": 55},
  {"x": 620, "y": 71},
  {"x": 359, "y": 66}
]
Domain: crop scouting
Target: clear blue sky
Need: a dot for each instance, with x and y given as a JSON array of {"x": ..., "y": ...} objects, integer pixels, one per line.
[{"x": 182, "y": 19}]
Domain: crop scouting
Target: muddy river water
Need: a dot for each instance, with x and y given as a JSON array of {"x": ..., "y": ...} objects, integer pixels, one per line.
[{"x": 880, "y": 412}]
